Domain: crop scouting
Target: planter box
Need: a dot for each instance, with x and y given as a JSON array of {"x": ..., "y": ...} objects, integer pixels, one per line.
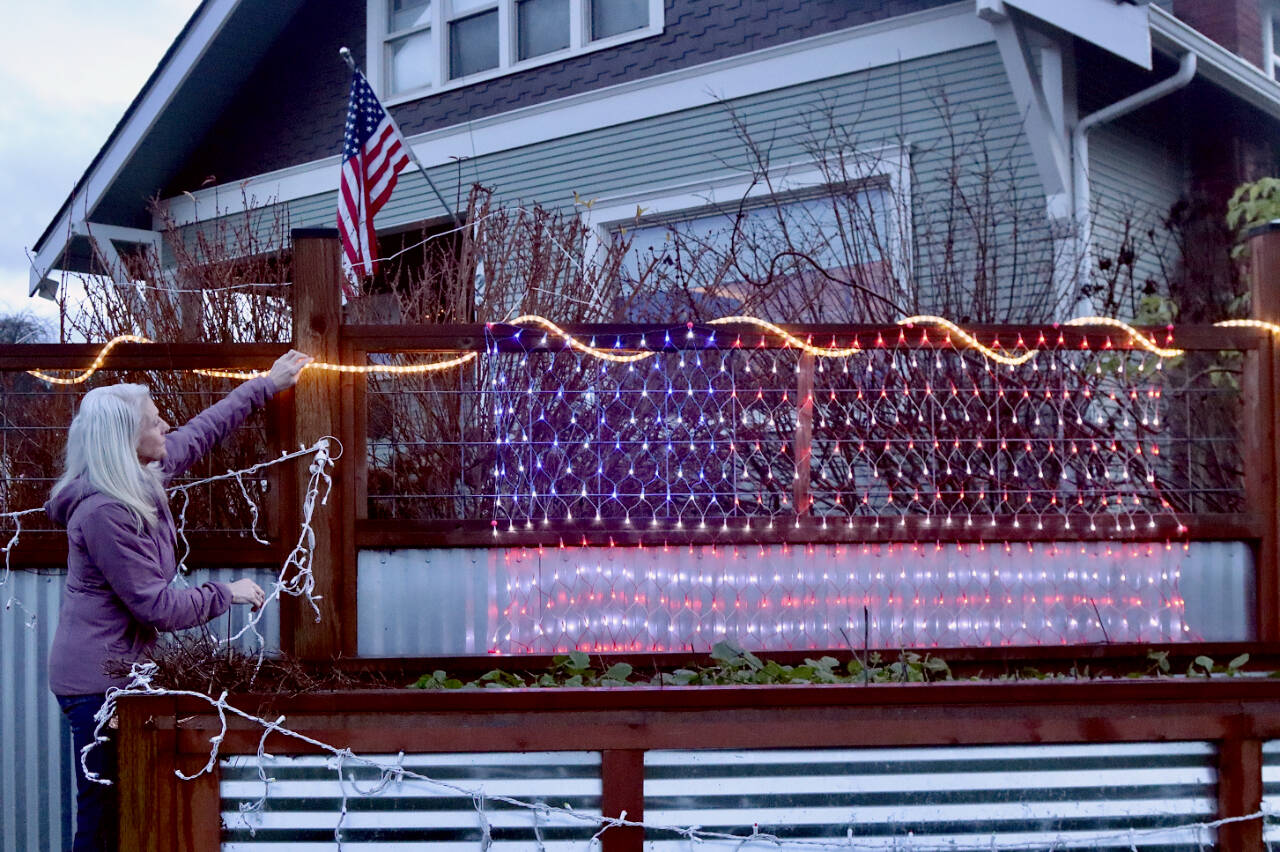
[{"x": 1200, "y": 745}]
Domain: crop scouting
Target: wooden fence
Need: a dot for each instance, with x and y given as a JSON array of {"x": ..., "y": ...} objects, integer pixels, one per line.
[
  {"x": 159, "y": 734},
  {"x": 338, "y": 404}
]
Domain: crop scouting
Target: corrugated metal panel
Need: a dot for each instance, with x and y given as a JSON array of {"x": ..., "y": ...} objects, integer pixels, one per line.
[
  {"x": 37, "y": 789},
  {"x": 1271, "y": 791},
  {"x": 36, "y": 785},
  {"x": 948, "y": 107},
  {"x": 1059, "y": 797},
  {"x": 474, "y": 601},
  {"x": 305, "y": 803}
]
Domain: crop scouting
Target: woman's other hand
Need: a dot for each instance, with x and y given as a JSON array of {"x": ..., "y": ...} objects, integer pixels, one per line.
[
  {"x": 284, "y": 372},
  {"x": 245, "y": 591}
]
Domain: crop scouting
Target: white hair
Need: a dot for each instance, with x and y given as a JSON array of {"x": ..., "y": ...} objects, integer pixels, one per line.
[{"x": 102, "y": 447}]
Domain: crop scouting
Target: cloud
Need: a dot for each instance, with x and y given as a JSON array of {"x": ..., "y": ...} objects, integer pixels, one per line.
[
  {"x": 79, "y": 55},
  {"x": 68, "y": 71}
]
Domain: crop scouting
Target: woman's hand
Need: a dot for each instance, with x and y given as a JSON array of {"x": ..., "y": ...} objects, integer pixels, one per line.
[
  {"x": 245, "y": 591},
  {"x": 284, "y": 372}
]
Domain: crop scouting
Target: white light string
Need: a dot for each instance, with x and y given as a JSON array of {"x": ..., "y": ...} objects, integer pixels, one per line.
[
  {"x": 301, "y": 583},
  {"x": 141, "y": 684},
  {"x": 296, "y": 577},
  {"x": 12, "y": 601}
]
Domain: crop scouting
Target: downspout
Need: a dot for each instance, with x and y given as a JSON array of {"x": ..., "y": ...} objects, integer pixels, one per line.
[{"x": 1080, "y": 166}]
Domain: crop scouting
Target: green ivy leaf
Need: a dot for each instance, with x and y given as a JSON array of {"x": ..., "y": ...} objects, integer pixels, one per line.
[
  {"x": 725, "y": 651},
  {"x": 619, "y": 672}
]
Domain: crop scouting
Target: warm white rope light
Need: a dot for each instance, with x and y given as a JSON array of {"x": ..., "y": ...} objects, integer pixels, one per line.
[
  {"x": 389, "y": 369},
  {"x": 829, "y": 352},
  {"x": 97, "y": 362},
  {"x": 594, "y": 351},
  {"x": 607, "y": 355},
  {"x": 1135, "y": 335},
  {"x": 1249, "y": 323},
  {"x": 969, "y": 339}
]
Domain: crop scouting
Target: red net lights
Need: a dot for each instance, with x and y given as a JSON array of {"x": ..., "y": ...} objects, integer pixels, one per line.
[{"x": 778, "y": 597}]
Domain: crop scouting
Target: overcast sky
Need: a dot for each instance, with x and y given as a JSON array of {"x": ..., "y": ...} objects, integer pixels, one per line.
[{"x": 68, "y": 70}]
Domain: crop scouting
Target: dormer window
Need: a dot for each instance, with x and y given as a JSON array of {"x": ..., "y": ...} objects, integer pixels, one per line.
[{"x": 420, "y": 46}]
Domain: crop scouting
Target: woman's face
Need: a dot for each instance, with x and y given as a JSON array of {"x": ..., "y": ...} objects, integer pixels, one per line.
[{"x": 151, "y": 438}]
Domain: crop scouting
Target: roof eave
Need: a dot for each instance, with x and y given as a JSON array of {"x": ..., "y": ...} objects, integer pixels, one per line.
[
  {"x": 172, "y": 70},
  {"x": 1229, "y": 71}
]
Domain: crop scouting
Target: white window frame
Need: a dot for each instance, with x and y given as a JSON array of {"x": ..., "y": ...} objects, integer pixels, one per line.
[
  {"x": 442, "y": 15},
  {"x": 891, "y": 164},
  {"x": 1270, "y": 50}
]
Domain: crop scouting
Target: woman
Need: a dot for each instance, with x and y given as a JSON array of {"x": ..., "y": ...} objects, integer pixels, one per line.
[{"x": 120, "y": 557}]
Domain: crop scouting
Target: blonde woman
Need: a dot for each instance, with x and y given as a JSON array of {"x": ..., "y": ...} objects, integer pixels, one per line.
[{"x": 120, "y": 556}]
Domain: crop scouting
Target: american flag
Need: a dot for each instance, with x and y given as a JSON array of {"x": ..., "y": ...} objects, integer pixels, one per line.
[{"x": 373, "y": 154}]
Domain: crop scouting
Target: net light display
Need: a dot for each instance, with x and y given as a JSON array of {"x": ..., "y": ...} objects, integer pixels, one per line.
[
  {"x": 734, "y": 433},
  {"x": 738, "y": 433},
  {"x": 814, "y": 597}
]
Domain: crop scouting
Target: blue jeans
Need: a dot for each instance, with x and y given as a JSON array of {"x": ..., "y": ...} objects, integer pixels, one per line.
[{"x": 97, "y": 810}]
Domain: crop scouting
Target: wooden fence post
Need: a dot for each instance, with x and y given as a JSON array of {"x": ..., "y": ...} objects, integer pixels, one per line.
[
  {"x": 317, "y": 320},
  {"x": 145, "y": 777},
  {"x": 1261, "y": 480},
  {"x": 802, "y": 444},
  {"x": 622, "y": 782},
  {"x": 1240, "y": 792}
]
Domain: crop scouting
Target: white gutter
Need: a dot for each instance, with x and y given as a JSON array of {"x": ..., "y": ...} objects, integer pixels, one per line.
[
  {"x": 1218, "y": 65},
  {"x": 1080, "y": 156}
]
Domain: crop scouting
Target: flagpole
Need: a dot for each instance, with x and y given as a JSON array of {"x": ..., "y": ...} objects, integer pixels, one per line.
[{"x": 351, "y": 63}]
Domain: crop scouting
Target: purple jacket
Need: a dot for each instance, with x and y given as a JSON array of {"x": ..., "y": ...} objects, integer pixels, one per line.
[{"x": 118, "y": 593}]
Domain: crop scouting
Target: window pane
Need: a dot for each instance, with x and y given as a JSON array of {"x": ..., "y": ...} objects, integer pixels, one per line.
[
  {"x": 544, "y": 26},
  {"x": 407, "y": 14},
  {"x": 409, "y": 62},
  {"x": 473, "y": 44},
  {"x": 778, "y": 262},
  {"x": 461, "y": 7},
  {"x": 610, "y": 17}
]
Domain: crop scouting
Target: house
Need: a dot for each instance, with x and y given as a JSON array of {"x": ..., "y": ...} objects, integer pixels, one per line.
[
  {"x": 639, "y": 106},
  {"x": 1004, "y": 160}
]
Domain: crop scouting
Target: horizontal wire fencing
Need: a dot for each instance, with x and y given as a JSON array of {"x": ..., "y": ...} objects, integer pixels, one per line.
[{"x": 33, "y": 433}]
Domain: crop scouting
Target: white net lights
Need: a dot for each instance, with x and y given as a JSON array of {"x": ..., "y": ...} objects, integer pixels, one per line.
[{"x": 743, "y": 435}]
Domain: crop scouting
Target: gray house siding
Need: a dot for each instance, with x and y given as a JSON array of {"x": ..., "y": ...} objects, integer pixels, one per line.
[
  {"x": 954, "y": 110},
  {"x": 291, "y": 110},
  {"x": 1138, "y": 169}
]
